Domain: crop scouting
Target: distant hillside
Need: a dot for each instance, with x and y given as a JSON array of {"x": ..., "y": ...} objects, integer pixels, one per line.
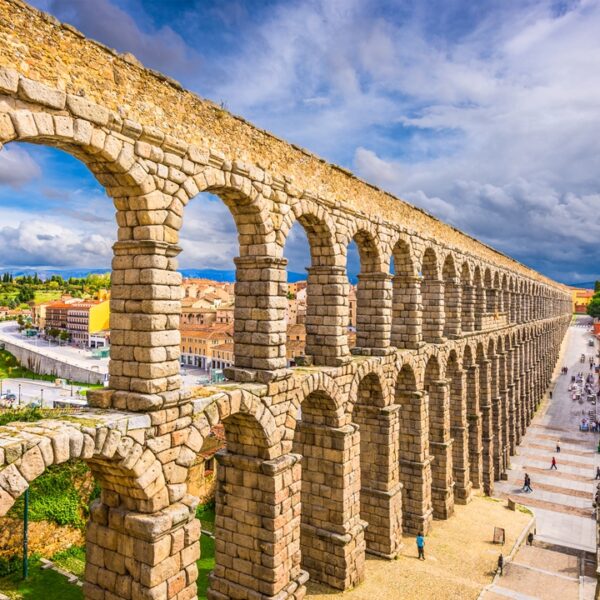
[
  {"x": 586, "y": 285},
  {"x": 214, "y": 274}
]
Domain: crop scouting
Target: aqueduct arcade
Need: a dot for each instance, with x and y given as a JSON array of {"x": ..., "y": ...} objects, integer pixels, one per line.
[{"x": 456, "y": 344}]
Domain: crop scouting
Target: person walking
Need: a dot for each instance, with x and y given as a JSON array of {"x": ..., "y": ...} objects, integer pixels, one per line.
[
  {"x": 530, "y": 538},
  {"x": 553, "y": 465},
  {"x": 421, "y": 546},
  {"x": 527, "y": 484},
  {"x": 597, "y": 472},
  {"x": 501, "y": 564},
  {"x": 558, "y": 447}
]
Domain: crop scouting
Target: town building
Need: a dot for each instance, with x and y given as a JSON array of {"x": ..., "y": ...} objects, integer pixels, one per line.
[
  {"x": 87, "y": 321},
  {"x": 581, "y": 298},
  {"x": 201, "y": 346}
]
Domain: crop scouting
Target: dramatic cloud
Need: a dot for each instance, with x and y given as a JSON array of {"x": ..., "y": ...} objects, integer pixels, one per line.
[
  {"x": 17, "y": 167},
  {"x": 485, "y": 114},
  {"x": 158, "y": 47},
  {"x": 38, "y": 243}
]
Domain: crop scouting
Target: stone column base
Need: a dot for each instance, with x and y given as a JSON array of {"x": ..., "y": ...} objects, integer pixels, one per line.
[
  {"x": 443, "y": 501},
  {"x": 413, "y": 523},
  {"x": 335, "y": 559},
  {"x": 223, "y": 589},
  {"x": 463, "y": 488},
  {"x": 383, "y": 510}
]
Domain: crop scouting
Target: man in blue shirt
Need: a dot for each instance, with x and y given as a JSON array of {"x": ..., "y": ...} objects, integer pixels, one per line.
[{"x": 421, "y": 546}]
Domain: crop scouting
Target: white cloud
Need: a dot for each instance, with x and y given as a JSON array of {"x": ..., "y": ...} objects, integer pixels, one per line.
[
  {"x": 35, "y": 242},
  {"x": 486, "y": 114},
  {"x": 17, "y": 167}
]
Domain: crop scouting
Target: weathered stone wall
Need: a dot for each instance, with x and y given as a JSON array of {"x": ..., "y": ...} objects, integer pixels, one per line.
[{"x": 323, "y": 463}]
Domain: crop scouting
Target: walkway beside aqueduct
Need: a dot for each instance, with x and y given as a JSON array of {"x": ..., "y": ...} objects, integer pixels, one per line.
[{"x": 325, "y": 462}]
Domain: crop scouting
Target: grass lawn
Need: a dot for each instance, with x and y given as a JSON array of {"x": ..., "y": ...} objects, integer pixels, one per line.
[
  {"x": 205, "y": 564},
  {"x": 72, "y": 560},
  {"x": 10, "y": 367},
  {"x": 206, "y": 514},
  {"x": 40, "y": 584}
]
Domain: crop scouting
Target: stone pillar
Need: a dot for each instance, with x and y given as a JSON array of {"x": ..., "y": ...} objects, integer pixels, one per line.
[
  {"x": 513, "y": 306},
  {"x": 491, "y": 300},
  {"x": 259, "y": 327},
  {"x": 141, "y": 555},
  {"x": 415, "y": 463},
  {"x": 479, "y": 307},
  {"x": 440, "y": 442},
  {"x": 407, "y": 312},
  {"x": 381, "y": 490},
  {"x": 332, "y": 539},
  {"x": 487, "y": 432},
  {"x": 432, "y": 291},
  {"x": 459, "y": 432},
  {"x": 474, "y": 420},
  {"x": 257, "y": 529},
  {"x": 468, "y": 308},
  {"x": 498, "y": 424},
  {"x": 512, "y": 419},
  {"x": 373, "y": 313},
  {"x": 144, "y": 322},
  {"x": 327, "y": 316},
  {"x": 452, "y": 306}
]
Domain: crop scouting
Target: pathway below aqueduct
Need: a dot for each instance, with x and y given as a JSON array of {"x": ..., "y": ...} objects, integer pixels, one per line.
[{"x": 561, "y": 562}]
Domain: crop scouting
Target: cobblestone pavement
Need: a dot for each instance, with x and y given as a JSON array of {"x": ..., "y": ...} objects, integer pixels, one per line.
[{"x": 558, "y": 565}]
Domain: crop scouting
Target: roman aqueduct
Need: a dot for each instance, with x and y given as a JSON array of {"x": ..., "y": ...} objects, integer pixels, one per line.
[{"x": 343, "y": 456}]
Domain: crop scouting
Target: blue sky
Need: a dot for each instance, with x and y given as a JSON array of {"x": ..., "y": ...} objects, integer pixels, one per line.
[{"x": 486, "y": 114}]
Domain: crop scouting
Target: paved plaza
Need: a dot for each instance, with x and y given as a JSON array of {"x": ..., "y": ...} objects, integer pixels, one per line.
[
  {"x": 9, "y": 332},
  {"x": 558, "y": 565}
]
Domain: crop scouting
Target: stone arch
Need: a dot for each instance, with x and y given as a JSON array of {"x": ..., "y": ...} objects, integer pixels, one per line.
[
  {"x": 373, "y": 292},
  {"x": 367, "y": 368},
  {"x": 327, "y": 442},
  {"x": 437, "y": 391},
  {"x": 249, "y": 209},
  {"x": 100, "y": 140},
  {"x": 488, "y": 286},
  {"x": 452, "y": 298},
  {"x": 324, "y": 392},
  {"x": 366, "y": 236},
  {"x": 252, "y": 470},
  {"x": 122, "y": 466},
  {"x": 250, "y": 427},
  {"x": 467, "y": 299},
  {"x": 380, "y": 491},
  {"x": 320, "y": 230},
  {"x": 432, "y": 293},
  {"x": 480, "y": 297},
  {"x": 415, "y": 467},
  {"x": 406, "y": 296},
  {"x": 458, "y": 427},
  {"x": 471, "y": 370},
  {"x": 485, "y": 406},
  {"x": 327, "y": 290}
]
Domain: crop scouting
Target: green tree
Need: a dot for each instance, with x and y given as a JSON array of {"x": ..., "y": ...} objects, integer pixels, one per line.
[
  {"x": 597, "y": 286},
  {"x": 593, "y": 308}
]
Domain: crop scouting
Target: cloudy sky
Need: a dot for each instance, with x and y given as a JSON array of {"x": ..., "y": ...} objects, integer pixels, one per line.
[{"x": 486, "y": 114}]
